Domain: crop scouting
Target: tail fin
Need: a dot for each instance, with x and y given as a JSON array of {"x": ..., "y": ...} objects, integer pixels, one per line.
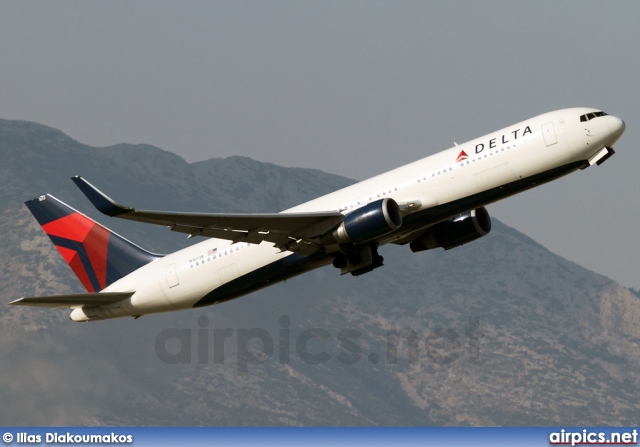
[{"x": 96, "y": 255}]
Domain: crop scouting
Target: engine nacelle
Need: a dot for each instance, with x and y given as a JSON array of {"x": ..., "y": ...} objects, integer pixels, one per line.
[
  {"x": 454, "y": 232},
  {"x": 367, "y": 223}
]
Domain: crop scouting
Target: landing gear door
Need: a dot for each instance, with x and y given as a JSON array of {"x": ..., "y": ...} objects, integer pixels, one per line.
[{"x": 549, "y": 134}]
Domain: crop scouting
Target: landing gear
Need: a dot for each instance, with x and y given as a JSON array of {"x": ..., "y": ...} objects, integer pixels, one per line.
[
  {"x": 358, "y": 259},
  {"x": 340, "y": 261}
]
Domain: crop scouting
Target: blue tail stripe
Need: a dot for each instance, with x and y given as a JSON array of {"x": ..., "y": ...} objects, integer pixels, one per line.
[
  {"x": 84, "y": 258},
  {"x": 124, "y": 257}
]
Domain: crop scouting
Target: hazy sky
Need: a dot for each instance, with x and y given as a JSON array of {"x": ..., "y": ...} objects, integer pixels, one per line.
[{"x": 353, "y": 88}]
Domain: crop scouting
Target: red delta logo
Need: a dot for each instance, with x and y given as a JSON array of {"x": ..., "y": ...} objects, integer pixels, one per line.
[
  {"x": 84, "y": 245},
  {"x": 462, "y": 156}
]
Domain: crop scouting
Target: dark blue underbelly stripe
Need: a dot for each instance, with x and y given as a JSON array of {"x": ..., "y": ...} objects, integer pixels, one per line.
[{"x": 277, "y": 271}]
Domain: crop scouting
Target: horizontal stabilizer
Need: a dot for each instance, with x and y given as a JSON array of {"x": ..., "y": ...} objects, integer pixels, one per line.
[{"x": 75, "y": 300}]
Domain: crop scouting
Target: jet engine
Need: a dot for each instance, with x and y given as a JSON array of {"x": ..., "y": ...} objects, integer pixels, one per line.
[
  {"x": 454, "y": 232},
  {"x": 367, "y": 223}
]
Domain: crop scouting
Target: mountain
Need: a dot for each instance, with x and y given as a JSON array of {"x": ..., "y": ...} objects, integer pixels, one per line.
[{"x": 498, "y": 332}]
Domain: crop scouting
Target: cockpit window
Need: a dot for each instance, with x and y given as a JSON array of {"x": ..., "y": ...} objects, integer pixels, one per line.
[{"x": 590, "y": 116}]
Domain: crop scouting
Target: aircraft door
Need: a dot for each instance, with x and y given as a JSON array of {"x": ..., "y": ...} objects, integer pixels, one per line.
[
  {"x": 549, "y": 134},
  {"x": 171, "y": 275}
]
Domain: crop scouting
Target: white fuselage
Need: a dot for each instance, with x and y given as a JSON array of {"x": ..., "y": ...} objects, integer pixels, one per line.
[{"x": 518, "y": 152}]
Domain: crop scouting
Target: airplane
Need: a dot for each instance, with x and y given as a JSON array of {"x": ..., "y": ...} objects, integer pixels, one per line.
[{"x": 438, "y": 201}]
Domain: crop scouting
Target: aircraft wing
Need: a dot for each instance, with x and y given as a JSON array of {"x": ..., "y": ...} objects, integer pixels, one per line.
[
  {"x": 74, "y": 300},
  {"x": 288, "y": 231}
]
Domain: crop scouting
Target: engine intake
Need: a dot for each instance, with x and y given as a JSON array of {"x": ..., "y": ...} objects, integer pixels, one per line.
[
  {"x": 454, "y": 232},
  {"x": 367, "y": 223}
]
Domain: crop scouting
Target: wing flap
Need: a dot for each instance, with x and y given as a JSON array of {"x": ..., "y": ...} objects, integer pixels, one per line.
[
  {"x": 74, "y": 300},
  {"x": 252, "y": 237}
]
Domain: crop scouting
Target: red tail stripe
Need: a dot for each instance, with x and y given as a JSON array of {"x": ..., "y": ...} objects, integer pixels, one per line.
[
  {"x": 74, "y": 227},
  {"x": 96, "y": 245}
]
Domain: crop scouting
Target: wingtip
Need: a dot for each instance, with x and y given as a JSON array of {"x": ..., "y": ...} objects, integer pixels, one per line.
[{"x": 98, "y": 199}]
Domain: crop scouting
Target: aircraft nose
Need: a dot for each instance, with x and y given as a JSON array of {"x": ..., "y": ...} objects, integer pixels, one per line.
[{"x": 616, "y": 126}]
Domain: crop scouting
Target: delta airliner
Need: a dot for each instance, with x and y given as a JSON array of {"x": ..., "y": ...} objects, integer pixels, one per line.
[{"x": 438, "y": 201}]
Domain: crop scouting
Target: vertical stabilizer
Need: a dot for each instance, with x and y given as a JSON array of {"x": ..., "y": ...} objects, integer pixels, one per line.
[{"x": 96, "y": 255}]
